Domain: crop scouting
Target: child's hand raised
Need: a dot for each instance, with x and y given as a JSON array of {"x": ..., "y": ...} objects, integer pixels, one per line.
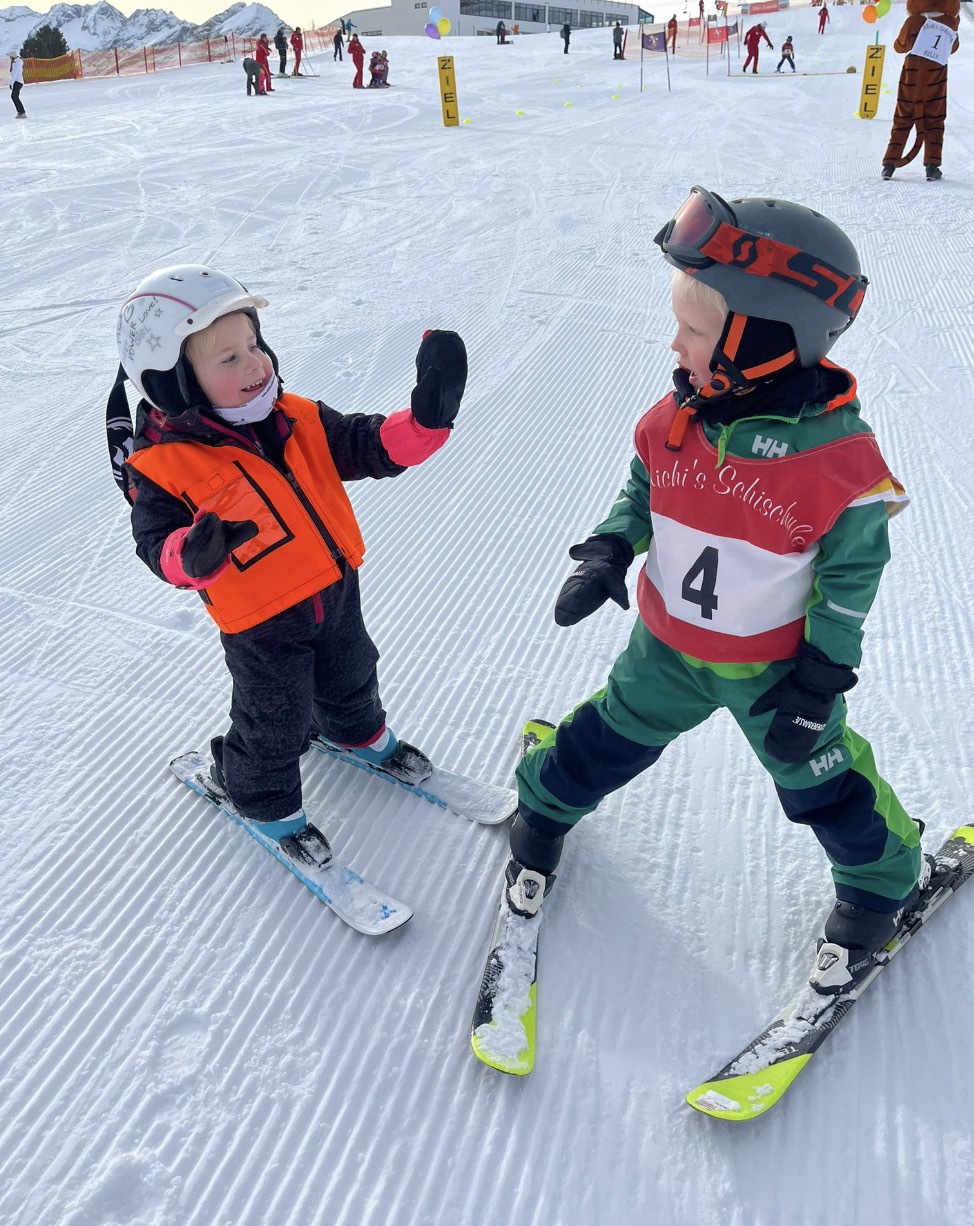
[{"x": 441, "y": 376}]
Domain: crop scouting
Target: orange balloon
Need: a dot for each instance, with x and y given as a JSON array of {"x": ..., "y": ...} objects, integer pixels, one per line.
[{"x": 869, "y": 14}]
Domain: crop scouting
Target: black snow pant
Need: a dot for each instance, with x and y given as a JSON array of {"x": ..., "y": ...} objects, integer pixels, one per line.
[
  {"x": 313, "y": 665},
  {"x": 283, "y": 67},
  {"x": 15, "y": 96}
]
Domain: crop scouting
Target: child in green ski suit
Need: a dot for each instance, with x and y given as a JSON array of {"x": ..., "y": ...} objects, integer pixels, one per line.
[{"x": 761, "y": 501}]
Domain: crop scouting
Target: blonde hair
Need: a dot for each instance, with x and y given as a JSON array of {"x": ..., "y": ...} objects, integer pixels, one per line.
[
  {"x": 688, "y": 289},
  {"x": 201, "y": 345}
]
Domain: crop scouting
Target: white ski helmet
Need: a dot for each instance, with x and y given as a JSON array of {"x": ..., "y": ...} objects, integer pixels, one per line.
[{"x": 157, "y": 318}]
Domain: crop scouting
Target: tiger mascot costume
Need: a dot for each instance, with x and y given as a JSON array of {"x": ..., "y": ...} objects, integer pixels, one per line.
[{"x": 927, "y": 39}]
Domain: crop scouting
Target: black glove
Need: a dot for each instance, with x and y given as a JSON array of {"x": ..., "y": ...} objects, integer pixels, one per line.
[
  {"x": 441, "y": 376},
  {"x": 208, "y": 543},
  {"x": 602, "y": 574},
  {"x": 804, "y": 699}
]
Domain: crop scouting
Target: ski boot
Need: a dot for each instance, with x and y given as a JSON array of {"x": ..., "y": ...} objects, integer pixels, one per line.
[
  {"x": 388, "y": 754},
  {"x": 527, "y": 887},
  {"x": 855, "y": 938},
  {"x": 282, "y": 830},
  {"x": 933, "y": 173},
  {"x": 887, "y": 171}
]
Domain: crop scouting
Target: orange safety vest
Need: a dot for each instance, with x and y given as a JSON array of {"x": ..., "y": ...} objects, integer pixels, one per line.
[{"x": 289, "y": 559}]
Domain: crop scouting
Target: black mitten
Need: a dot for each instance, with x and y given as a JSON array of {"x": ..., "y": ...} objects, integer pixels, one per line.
[
  {"x": 601, "y": 576},
  {"x": 209, "y": 542},
  {"x": 441, "y": 376},
  {"x": 802, "y": 701}
]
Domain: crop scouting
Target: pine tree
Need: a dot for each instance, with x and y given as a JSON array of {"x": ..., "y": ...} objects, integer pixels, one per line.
[{"x": 46, "y": 43}]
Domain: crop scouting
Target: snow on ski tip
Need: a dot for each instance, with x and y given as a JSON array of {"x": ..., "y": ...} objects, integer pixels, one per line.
[
  {"x": 484, "y": 803},
  {"x": 762, "y": 1072},
  {"x": 354, "y": 900},
  {"x": 503, "y": 1027}
]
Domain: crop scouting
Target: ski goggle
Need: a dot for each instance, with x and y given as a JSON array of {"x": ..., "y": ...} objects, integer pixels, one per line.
[{"x": 704, "y": 232}]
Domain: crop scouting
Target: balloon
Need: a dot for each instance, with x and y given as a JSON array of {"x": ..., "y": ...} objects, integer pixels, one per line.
[
  {"x": 431, "y": 30},
  {"x": 869, "y": 14},
  {"x": 443, "y": 25},
  {"x": 882, "y": 8},
  {"x": 435, "y": 14}
]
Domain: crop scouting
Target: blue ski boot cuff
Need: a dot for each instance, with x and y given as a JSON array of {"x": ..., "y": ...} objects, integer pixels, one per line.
[{"x": 284, "y": 827}]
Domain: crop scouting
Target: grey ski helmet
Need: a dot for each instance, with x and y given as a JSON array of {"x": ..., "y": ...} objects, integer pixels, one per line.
[{"x": 770, "y": 259}]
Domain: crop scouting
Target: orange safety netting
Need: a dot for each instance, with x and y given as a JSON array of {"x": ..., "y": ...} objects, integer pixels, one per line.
[{"x": 126, "y": 62}]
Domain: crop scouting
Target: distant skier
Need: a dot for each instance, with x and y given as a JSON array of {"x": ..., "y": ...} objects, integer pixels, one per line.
[
  {"x": 617, "y": 36},
  {"x": 672, "y": 26},
  {"x": 787, "y": 54},
  {"x": 239, "y": 497},
  {"x": 357, "y": 51},
  {"x": 255, "y": 77},
  {"x": 752, "y": 40},
  {"x": 566, "y": 34},
  {"x": 338, "y": 42},
  {"x": 297, "y": 45},
  {"x": 280, "y": 42},
  {"x": 17, "y": 83},
  {"x": 763, "y": 500},
  {"x": 262, "y": 54},
  {"x": 823, "y": 18}
]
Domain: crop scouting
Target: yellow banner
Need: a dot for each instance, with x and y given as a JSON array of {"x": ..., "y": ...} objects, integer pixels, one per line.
[
  {"x": 448, "y": 92},
  {"x": 872, "y": 79}
]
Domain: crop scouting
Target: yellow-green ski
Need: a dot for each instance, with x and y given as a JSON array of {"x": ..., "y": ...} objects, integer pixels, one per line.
[
  {"x": 503, "y": 1029},
  {"x": 760, "y": 1075}
]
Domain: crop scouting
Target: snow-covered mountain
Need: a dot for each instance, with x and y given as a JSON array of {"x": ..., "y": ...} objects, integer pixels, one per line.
[{"x": 98, "y": 27}]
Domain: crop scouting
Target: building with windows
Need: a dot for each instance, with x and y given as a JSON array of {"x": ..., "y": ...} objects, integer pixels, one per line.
[{"x": 471, "y": 17}]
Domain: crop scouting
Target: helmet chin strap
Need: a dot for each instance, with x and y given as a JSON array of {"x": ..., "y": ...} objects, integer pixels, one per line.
[
  {"x": 739, "y": 365},
  {"x": 254, "y": 410}
]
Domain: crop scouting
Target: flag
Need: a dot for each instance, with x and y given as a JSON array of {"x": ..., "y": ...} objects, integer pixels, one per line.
[{"x": 654, "y": 42}]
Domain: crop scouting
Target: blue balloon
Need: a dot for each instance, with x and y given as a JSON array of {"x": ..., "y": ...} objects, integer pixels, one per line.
[{"x": 435, "y": 15}]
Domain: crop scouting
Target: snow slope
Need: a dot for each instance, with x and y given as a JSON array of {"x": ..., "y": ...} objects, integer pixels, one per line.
[{"x": 186, "y": 1037}]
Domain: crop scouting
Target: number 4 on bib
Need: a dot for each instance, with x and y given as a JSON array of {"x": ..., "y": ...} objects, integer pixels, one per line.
[{"x": 704, "y": 569}]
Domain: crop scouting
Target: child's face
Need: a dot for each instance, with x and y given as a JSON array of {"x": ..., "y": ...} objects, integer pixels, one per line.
[
  {"x": 235, "y": 370},
  {"x": 698, "y": 329}
]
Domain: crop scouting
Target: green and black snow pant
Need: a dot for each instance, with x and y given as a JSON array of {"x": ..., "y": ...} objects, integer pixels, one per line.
[{"x": 654, "y": 693}]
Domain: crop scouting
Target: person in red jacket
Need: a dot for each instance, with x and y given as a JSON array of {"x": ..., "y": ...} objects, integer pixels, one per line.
[
  {"x": 823, "y": 17},
  {"x": 237, "y": 495},
  {"x": 262, "y": 54},
  {"x": 752, "y": 40},
  {"x": 297, "y": 43},
  {"x": 357, "y": 51},
  {"x": 671, "y": 28}
]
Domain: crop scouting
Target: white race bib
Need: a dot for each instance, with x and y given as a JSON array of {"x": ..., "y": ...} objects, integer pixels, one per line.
[{"x": 934, "y": 42}]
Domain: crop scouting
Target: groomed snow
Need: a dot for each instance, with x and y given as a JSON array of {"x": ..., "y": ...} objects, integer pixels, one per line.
[{"x": 187, "y": 1038}]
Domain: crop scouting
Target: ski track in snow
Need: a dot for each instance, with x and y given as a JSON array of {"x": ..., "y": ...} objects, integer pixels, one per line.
[{"x": 187, "y": 1038}]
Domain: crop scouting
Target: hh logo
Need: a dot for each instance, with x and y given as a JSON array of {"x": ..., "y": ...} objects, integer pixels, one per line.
[
  {"x": 768, "y": 447},
  {"x": 826, "y": 762}
]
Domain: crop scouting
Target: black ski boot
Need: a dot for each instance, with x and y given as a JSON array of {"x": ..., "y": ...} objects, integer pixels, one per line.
[
  {"x": 855, "y": 938},
  {"x": 888, "y": 169},
  {"x": 933, "y": 173},
  {"x": 528, "y": 887}
]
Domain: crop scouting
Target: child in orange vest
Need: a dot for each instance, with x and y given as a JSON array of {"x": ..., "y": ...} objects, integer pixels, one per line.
[{"x": 237, "y": 493}]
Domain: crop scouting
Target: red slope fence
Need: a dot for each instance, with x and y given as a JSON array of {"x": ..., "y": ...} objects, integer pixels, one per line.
[{"x": 122, "y": 61}]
